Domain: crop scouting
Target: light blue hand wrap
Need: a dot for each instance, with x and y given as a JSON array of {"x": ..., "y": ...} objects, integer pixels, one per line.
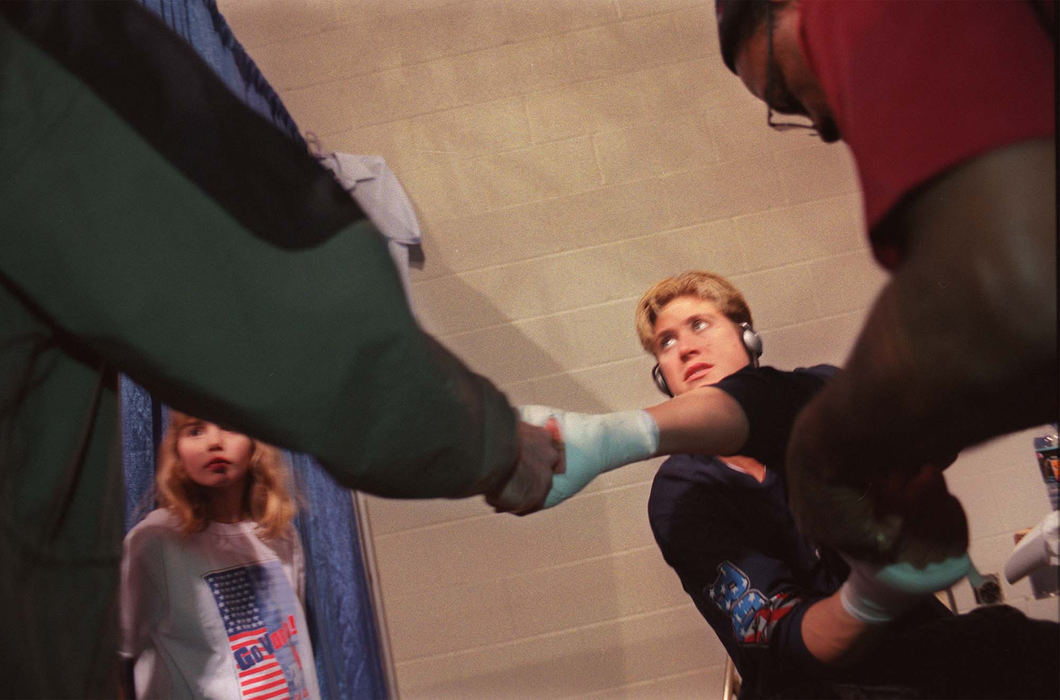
[
  {"x": 595, "y": 443},
  {"x": 875, "y": 594}
]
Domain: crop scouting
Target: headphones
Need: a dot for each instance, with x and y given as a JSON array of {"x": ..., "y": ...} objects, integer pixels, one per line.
[{"x": 752, "y": 343}]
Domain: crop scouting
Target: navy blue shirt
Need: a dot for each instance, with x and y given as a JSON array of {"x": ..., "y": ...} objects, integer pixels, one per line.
[{"x": 733, "y": 542}]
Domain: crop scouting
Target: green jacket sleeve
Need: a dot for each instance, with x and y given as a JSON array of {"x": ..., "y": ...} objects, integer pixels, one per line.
[{"x": 162, "y": 228}]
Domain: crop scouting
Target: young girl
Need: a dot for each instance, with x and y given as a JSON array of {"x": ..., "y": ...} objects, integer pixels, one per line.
[{"x": 209, "y": 580}]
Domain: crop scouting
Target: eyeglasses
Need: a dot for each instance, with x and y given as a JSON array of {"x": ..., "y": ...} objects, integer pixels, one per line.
[{"x": 772, "y": 83}]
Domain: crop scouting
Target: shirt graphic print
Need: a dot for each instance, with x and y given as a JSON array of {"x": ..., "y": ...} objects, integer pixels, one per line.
[{"x": 263, "y": 640}]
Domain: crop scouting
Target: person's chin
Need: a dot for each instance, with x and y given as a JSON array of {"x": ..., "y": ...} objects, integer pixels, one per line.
[
  {"x": 698, "y": 383},
  {"x": 828, "y": 130}
]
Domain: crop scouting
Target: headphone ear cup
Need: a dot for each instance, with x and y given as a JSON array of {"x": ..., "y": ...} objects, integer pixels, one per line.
[
  {"x": 752, "y": 342},
  {"x": 660, "y": 380}
]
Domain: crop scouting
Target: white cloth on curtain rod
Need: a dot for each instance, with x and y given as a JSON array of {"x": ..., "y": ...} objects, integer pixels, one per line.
[{"x": 376, "y": 188}]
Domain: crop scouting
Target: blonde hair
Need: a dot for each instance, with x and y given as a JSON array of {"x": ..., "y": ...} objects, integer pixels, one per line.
[
  {"x": 266, "y": 499},
  {"x": 705, "y": 285}
]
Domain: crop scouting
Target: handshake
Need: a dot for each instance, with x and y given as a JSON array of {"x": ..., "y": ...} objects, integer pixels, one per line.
[{"x": 589, "y": 445}]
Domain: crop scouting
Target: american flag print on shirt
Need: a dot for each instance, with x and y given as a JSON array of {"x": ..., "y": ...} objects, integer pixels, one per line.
[
  {"x": 255, "y": 603},
  {"x": 753, "y": 614}
]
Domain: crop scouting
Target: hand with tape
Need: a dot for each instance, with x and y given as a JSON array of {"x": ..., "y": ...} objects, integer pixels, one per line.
[
  {"x": 594, "y": 444},
  {"x": 876, "y": 594},
  {"x": 834, "y": 628},
  {"x": 929, "y": 552}
]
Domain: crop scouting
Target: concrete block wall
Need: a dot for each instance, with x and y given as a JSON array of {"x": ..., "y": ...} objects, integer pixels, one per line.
[{"x": 562, "y": 156}]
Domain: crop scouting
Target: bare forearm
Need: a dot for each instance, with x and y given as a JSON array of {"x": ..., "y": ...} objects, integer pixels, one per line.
[
  {"x": 705, "y": 420},
  {"x": 702, "y": 421},
  {"x": 830, "y": 633}
]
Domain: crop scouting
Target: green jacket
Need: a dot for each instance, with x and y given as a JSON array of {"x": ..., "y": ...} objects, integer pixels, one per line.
[{"x": 153, "y": 225}]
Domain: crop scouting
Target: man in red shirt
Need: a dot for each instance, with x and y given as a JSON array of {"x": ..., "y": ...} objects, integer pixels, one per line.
[{"x": 949, "y": 111}]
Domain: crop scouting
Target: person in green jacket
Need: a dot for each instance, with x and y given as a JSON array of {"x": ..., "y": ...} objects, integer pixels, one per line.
[{"x": 157, "y": 227}]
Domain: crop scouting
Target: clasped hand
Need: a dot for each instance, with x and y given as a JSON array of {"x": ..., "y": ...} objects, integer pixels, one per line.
[
  {"x": 540, "y": 457},
  {"x": 593, "y": 444}
]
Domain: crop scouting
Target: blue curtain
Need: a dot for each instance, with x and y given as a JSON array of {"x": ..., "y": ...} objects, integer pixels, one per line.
[{"x": 338, "y": 602}]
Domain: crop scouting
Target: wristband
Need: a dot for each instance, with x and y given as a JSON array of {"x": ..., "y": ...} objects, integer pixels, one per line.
[{"x": 594, "y": 444}]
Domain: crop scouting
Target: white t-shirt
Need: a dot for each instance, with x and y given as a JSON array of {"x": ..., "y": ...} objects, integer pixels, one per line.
[{"x": 215, "y": 614}]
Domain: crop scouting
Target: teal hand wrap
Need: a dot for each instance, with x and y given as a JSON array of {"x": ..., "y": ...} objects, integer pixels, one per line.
[
  {"x": 594, "y": 444},
  {"x": 879, "y": 594}
]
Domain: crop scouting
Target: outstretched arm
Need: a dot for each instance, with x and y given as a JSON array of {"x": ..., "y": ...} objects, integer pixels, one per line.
[
  {"x": 960, "y": 347},
  {"x": 706, "y": 420},
  {"x": 709, "y": 420},
  {"x": 311, "y": 343}
]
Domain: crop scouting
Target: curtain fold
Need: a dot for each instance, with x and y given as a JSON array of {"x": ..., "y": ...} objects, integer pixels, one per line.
[{"x": 338, "y": 599}]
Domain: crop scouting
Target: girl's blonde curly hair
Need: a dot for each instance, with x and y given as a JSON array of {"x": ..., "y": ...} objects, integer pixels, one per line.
[{"x": 266, "y": 500}]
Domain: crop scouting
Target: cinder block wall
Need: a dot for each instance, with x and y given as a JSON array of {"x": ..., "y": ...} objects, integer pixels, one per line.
[{"x": 562, "y": 156}]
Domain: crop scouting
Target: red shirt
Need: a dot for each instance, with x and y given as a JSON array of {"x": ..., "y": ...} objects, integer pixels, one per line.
[{"x": 918, "y": 86}]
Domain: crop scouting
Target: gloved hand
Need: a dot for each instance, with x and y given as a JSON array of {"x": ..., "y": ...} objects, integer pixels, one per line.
[
  {"x": 877, "y": 594},
  {"x": 594, "y": 444}
]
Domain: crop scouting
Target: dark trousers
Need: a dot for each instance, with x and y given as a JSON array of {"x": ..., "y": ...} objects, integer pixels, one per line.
[{"x": 992, "y": 652}]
